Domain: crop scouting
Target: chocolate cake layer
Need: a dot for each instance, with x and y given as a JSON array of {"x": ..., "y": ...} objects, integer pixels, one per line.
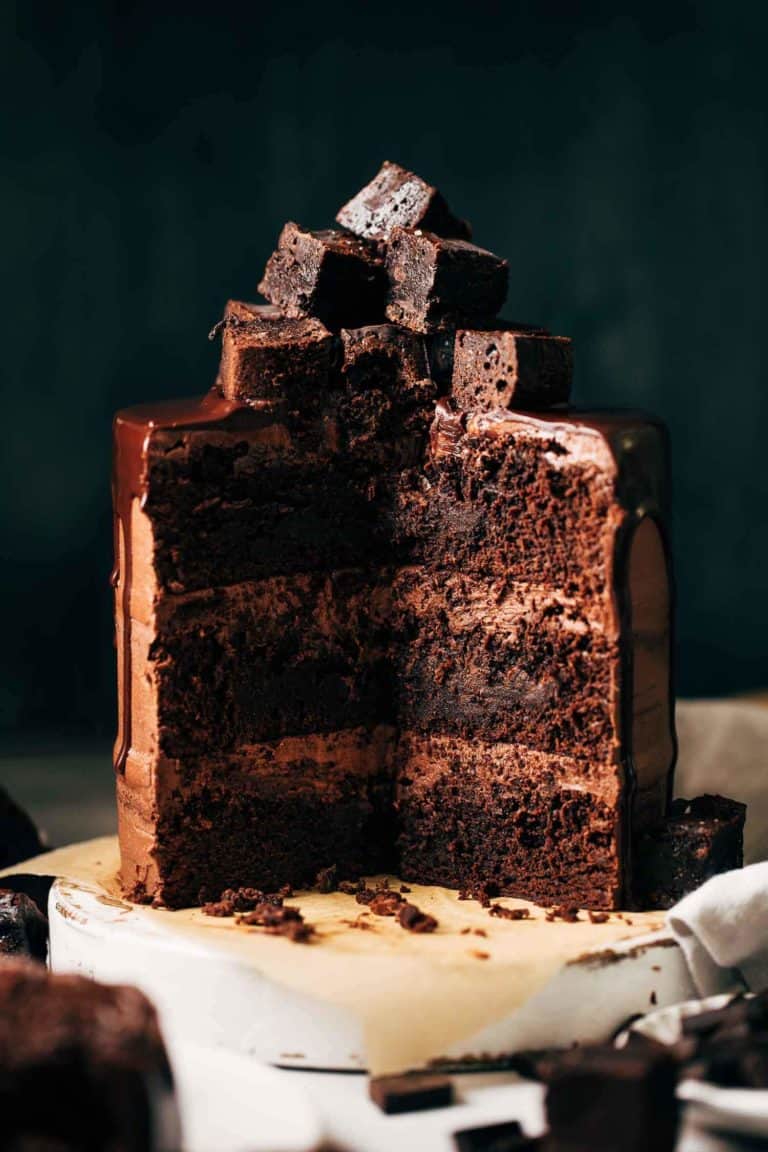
[
  {"x": 538, "y": 826},
  {"x": 538, "y": 499},
  {"x": 234, "y": 494},
  {"x": 493, "y": 660},
  {"x": 264, "y": 659},
  {"x": 264, "y": 815}
]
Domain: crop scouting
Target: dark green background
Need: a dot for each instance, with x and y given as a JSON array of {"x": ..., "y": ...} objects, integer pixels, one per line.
[{"x": 150, "y": 152}]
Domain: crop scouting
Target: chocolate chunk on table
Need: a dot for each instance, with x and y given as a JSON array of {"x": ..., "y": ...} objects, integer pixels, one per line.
[
  {"x": 23, "y": 927},
  {"x": 699, "y": 839},
  {"x": 394, "y": 197},
  {"x": 19, "y": 838},
  {"x": 605, "y": 1099},
  {"x": 437, "y": 283},
  {"x": 265, "y": 356},
  {"x": 505, "y": 1137},
  {"x": 330, "y": 274},
  {"x": 503, "y": 368},
  {"x": 395, "y": 1094}
]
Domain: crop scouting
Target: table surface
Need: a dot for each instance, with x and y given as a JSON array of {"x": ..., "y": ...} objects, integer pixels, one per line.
[{"x": 68, "y": 788}]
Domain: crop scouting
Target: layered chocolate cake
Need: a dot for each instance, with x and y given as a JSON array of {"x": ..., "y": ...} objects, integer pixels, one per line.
[{"x": 380, "y": 605}]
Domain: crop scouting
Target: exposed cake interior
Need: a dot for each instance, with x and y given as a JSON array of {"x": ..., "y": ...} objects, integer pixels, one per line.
[{"x": 407, "y": 651}]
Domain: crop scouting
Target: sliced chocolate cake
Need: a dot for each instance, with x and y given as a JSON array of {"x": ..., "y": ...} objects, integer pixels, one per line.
[{"x": 370, "y": 614}]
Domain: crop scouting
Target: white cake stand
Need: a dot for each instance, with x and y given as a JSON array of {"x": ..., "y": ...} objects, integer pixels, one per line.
[{"x": 381, "y": 998}]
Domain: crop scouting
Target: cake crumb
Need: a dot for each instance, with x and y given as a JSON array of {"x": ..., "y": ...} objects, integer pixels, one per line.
[
  {"x": 351, "y": 887},
  {"x": 598, "y": 917},
  {"x": 480, "y": 955},
  {"x": 414, "y": 920},
  {"x": 386, "y": 903},
  {"x": 404, "y": 889},
  {"x": 359, "y": 922},
  {"x": 483, "y": 892},
  {"x": 325, "y": 881},
  {"x": 565, "y": 912},
  {"x": 218, "y": 908},
  {"x": 509, "y": 913},
  {"x": 277, "y": 920}
]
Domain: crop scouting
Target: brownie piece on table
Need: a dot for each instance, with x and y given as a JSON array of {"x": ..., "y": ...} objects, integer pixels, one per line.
[
  {"x": 502, "y": 368},
  {"x": 265, "y": 356},
  {"x": 605, "y": 1099},
  {"x": 82, "y": 1066},
  {"x": 437, "y": 283},
  {"x": 19, "y": 838},
  {"x": 330, "y": 274},
  {"x": 394, "y": 197},
  {"x": 23, "y": 928},
  {"x": 699, "y": 839},
  {"x": 505, "y": 1137},
  {"x": 416, "y": 1093}
]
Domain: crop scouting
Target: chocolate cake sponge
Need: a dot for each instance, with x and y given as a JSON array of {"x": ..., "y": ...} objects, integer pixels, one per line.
[{"x": 459, "y": 702}]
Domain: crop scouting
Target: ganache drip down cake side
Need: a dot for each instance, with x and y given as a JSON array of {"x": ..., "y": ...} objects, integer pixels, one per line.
[{"x": 374, "y": 609}]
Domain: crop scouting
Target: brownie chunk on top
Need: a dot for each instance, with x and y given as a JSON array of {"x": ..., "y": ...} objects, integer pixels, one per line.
[
  {"x": 397, "y": 197},
  {"x": 265, "y": 356},
  {"x": 436, "y": 283},
  {"x": 330, "y": 274},
  {"x": 504, "y": 368}
]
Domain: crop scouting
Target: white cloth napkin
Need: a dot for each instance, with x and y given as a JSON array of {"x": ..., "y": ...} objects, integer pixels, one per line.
[{"x": 722, "y": 929}]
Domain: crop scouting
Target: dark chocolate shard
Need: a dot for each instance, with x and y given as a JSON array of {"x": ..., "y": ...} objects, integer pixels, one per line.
[
  {"x": 436, "y": 283},
  {"x": 414, "y": 1093},
  {"x": 330, "y": 274},
  {"x": 699, "y": 839},
  {"x": 397, "y": 197}
]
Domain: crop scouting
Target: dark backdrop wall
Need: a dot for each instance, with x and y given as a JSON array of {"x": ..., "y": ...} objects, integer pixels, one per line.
[{"x": 150, "y": 153}]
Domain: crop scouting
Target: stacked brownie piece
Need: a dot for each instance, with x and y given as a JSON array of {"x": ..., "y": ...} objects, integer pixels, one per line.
[{"x": 383, "y": 600}]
